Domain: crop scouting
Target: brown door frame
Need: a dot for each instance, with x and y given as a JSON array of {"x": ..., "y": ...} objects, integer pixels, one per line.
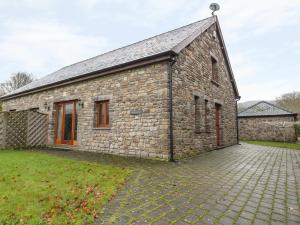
[
  {"x": 218, "y": 123},
  {"x": 74, "y": 112}
]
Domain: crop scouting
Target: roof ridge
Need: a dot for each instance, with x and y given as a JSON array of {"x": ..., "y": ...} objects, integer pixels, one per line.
[
  {"x": 195, "y": 33},
  {"x": 133, "y": 43}
]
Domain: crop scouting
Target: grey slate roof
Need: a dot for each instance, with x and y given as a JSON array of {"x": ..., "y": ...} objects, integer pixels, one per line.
[
  {"x": 244, "y": 105},
  {"x": 172, "y": 41},
  {"x": 264, "y": 108}
]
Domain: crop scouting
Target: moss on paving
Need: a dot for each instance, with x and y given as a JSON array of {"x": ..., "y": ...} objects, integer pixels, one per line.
[
  {"x": 275, "y": 144},
  {"x": 36, "y": 188}
]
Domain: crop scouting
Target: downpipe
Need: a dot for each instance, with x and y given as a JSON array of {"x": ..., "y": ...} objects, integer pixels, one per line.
[
  {"x": 237, "y": 121},
  {"x": 171, "y": 135}
]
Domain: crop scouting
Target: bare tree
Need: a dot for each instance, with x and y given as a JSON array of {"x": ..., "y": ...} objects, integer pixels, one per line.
[
  {"x": 16, "y": 81},
  {"x": 1, "y": 94},
  {"x": 290, "y": 101}
]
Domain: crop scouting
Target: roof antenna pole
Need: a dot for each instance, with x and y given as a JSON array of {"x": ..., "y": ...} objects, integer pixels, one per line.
[{"x": 214, "y": 7}]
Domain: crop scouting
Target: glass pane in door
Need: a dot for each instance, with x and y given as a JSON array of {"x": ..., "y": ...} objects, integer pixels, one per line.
[
  {"x": 59, "y": 124},
  {"x": 68, "y": 121},
  {"x": 76, "y": 120}
]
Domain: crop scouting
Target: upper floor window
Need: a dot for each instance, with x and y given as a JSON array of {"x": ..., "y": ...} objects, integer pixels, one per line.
[
  {"x": 214, "y": 69},
  {"x": 102, "y": 114}
]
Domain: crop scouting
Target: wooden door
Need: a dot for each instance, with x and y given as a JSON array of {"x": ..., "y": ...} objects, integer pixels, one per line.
[
  {"x": 218, "y": 124},
  {"x": 66, "y": 123}
]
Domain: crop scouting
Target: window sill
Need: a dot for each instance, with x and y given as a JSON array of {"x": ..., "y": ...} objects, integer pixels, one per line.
[
  {"x": 102, "y": 128},
  {"x": 203, "y": 132},
  {"x": 215, "y": 83}
]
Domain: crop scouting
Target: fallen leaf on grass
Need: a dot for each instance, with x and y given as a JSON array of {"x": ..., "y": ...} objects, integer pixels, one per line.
[
  {"x": 98, "y": 195},
  {"x": 89, "y": 190},
  {"x": 83, "y": 204},
  {"x": 70, "y": 215}
]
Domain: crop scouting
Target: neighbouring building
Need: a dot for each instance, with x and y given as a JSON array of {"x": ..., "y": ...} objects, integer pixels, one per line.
[
  {"x": 171, "y": 95},
  {"x": 266, "y": 121}
]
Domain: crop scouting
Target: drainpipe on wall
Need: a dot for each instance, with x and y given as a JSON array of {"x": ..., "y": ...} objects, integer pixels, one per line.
[
  {"x": 170, "y": 82},
  {"x": 237, "y": 121}
]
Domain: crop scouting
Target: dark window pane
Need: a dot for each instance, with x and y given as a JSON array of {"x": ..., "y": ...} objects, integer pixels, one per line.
[
  {"x": 76, "y": 121},
  {"x": 68, "y": 122},
  {"x": 59, "y": 123},
  {"x": 215, "y": 75},
  {"x": 107, "y": 113},
  {"x": 101, "y": 114}
]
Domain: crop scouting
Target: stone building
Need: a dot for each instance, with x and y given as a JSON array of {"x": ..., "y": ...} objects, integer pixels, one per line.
[
  {"x": 265, "y": 121},
  {"x": 168, "y": 96}
]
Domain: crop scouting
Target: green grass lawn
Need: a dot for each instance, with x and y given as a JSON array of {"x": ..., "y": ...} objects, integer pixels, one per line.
[
  {"x": 275, "y": 144},
  {"x": 36, "y": 188}
]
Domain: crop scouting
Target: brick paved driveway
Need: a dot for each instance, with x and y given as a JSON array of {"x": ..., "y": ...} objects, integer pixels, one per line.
[{"x": 245, "y": 184}]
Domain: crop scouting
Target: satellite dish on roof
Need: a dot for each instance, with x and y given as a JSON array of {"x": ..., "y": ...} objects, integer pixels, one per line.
[{"x": 214, "y": 7}]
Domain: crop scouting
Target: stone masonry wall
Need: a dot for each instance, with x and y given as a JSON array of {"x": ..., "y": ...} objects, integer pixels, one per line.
[
  {"x": 144, "y": 90},
  {"x": 192, "y": 76},
  {"x": 266, "y": 128}
]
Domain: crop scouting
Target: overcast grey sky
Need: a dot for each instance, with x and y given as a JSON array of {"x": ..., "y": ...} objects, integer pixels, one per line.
[{"x": 262, "y": 36}]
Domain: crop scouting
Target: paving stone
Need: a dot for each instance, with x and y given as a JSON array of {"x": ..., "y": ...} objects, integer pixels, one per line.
[
  {"x": 249, "y": 209},
  {"x": 260, "y": 222},
  {"x": 181, "y": 222},
  {"x": 208, "y": 219},
  {"x": 231, "y": 214},
  {"x": 161, "y": 222},
  {"x": 262, "y": 216},
  {"x": 295, "y": 218},
  {"x": 292, "y": 223},
  {"x": 243, "y": 221},
  {"x": 191, "y": 218},
  {"x": 226, "y": 220},
  {"x": 276, "y": 222},
  {"x": 247, "y": 215},
  {"x": 265, "y": 210},
  {"x": 235, "y": 208}
]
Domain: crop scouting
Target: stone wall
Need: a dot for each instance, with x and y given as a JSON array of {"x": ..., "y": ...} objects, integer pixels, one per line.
[
  {"x": 267, "y": 128},
  {"x": 192, "y": 76},
  {"x": 142, "y": 89}
]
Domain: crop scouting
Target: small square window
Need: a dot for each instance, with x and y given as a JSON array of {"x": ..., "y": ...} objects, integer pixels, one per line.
[{"x": 101, "y": 114}]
